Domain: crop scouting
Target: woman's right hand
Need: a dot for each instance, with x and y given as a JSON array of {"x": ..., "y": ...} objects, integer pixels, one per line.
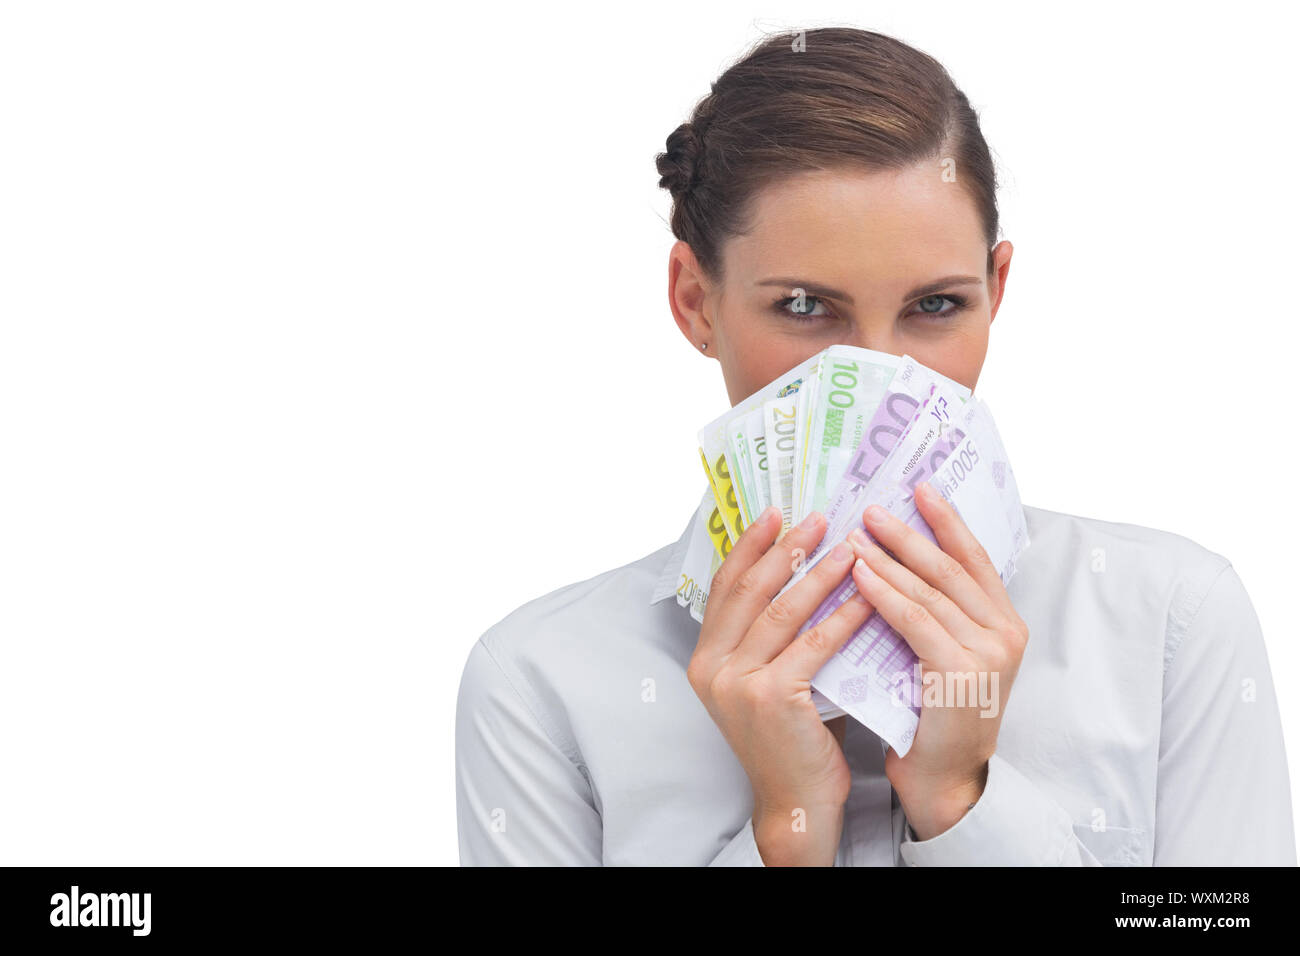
[{"x": 753, "y": 670}]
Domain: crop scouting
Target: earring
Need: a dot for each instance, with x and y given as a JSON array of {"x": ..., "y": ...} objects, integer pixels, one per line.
[{"x": 704, "y": 346}]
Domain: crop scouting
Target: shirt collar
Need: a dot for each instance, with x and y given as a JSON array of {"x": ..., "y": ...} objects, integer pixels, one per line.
[{"x": 666, "y": 585}]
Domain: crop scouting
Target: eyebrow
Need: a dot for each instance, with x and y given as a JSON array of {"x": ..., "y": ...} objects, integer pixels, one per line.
[{"x": 827, "y": 292}]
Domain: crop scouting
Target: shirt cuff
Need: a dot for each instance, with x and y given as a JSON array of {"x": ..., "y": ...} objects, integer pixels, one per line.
[
  {"x": 1012, "y": 824},
  {"x": 741, "y": 850}
]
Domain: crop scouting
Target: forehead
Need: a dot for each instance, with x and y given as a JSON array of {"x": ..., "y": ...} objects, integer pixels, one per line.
[{"x": 872, "y": 225}]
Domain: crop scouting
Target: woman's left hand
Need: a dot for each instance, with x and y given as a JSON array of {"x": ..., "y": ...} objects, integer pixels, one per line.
[{"x": 949, "y": 604}]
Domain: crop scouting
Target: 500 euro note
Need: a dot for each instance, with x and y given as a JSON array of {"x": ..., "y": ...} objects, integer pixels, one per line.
[
  {"x": 911, "y": 385},
  {"x": 874, "y": 676},
  {"x": 921, "y": 447}
]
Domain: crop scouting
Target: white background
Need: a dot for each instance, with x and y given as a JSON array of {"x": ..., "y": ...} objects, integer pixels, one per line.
[{"x": 333, "y": 332}]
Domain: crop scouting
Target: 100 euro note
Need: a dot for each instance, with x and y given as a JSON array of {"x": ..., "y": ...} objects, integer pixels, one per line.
[
  {"x": 874, "y": 676},
  {"x": 759, "y": 464},
  {"x": 746, "y": 456},
  {"x": 852, "y": 383}
]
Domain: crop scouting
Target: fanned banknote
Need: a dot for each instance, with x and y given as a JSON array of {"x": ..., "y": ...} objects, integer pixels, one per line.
[
  {"x": 875, "y": 677},
  {"x": 701, "y": 561},
  {"x": 842, "y": 430},
  {"x": 850, "y": 387},
  {"x": 715, "y": 448},
  {"x": 780, "y": 421}
]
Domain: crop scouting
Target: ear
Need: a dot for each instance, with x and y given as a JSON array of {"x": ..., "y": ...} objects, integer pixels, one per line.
[
  {"x": 998, "y": 284},
  {"x": 687, "y": 290}
]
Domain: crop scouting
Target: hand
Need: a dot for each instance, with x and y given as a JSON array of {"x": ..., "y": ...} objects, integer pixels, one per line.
[
  {"x": 752, "y": 671},
  {"x": 949, "y": 604}
]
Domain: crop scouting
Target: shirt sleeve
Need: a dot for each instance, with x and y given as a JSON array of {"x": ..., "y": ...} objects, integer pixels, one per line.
[
  {"x": 741, "y": 850},
  {"x": 1014, "y": 823},
  {"x": 520, "y": 800},
  {"x": 1223, "y": 793}
]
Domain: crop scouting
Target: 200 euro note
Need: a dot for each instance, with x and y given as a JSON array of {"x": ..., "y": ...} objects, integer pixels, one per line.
[
  {"x": 807, "y": 397},
  {"x": 715, "y": 446},
  {"x": 780, "y": 422},
  {"x": 875, "y": 675}
]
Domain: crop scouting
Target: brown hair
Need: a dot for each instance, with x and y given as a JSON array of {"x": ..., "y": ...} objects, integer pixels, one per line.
[{"x": 848, "y": 98}]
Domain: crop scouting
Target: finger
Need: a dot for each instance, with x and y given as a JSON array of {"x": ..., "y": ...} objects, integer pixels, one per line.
[
  {"x": 957, "y": 540},
  {"x": 804, "y": 656},
  {"x": 925, "y": 635},
  {"x": 745, "y": 589},
  {"x": 777, "y": 623},
  {"x": 933, "y": 565},
  {"x": 942, "y": 608},
  {"x": 749, "y": 547}
]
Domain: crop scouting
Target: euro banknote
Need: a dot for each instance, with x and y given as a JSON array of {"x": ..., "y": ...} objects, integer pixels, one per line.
[
  {"x": 720, "y": 463},
  {"x": 874, "y": 677},
  {"x": 845, "y": 429}
]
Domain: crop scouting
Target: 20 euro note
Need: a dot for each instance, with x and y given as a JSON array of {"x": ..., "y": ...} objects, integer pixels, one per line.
[
  {"x": 701, "y": 560},
  {"x": 875, "y": 675}
]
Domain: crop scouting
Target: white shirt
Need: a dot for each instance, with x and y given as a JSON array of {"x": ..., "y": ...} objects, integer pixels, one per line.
[{"x": 1142, "y": 727}]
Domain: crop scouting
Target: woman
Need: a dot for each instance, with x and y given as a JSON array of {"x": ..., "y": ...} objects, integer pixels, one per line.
[{"x": 835, "y": 187}]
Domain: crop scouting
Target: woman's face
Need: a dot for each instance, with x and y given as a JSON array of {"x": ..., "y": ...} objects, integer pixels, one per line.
[{"x": 891, "y": 261}]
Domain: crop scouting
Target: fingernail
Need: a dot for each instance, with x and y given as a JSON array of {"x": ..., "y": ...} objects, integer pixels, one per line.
[
  {"x": 810, "y": 522},
  {"x": 769, "y": 513},
  {"x": 858, "y": 537},
  {"x": 877, "y": 514},
  {"x": 840, "y": 552},
  {"x": 863, "y": 569}
]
